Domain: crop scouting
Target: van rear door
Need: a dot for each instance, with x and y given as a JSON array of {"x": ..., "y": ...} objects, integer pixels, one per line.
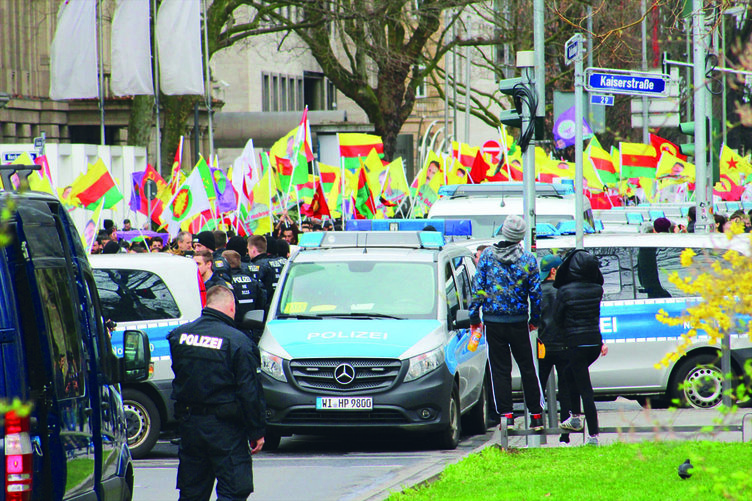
[{"x": 56, "y": 351}]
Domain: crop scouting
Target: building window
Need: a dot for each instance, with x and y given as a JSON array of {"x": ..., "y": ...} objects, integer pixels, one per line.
[
  {"x": 331, "y": 96},
  {"x": 421, "y": 89},
  {"x": 265, "y": 96},
  {"x": 291, "y": 106},
  {"x": 275, "y": 93},
  {"x": 283, "y": 95}
]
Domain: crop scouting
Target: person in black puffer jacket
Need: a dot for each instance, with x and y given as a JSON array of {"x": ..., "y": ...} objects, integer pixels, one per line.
[{"x": 579, "y": 282}]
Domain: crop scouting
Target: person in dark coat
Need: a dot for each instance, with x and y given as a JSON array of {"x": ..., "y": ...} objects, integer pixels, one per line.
[
  {"x": 579, "y": 283},
  {"x": 219, "y": 402},
  {"x": 552, "y": 352}
]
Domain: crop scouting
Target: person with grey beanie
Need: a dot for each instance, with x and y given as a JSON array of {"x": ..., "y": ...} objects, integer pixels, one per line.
[{"x": 506, "y": 288}]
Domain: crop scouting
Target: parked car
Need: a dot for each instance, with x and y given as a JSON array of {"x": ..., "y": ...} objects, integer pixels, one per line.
[{"x": 155, "y": 293}]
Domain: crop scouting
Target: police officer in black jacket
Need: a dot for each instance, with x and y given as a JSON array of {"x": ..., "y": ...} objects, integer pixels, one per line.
[
  {"x": 259, "y": 265},
  {"x": 218, "y": 400},
  {"x": 249, "y": 292}
]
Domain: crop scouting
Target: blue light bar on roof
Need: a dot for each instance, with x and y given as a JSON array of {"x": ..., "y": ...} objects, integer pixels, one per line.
[
  {"x": 311, "y": 239},
  {"x": 448, "y": 227},
  {"x": 543, "y": 230},
  {"x": 568, "y": 227}
]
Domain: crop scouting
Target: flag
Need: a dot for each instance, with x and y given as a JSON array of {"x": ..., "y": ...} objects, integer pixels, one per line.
[
  {"x": 662, "y": 145},
  {"x": 207, "y": 178},
  {"x": 375, "y": 172},
  {"x": 564, "y": 129},
  {"x": 734, "y": 166},
  {"x": 315, "y": 204},
  {"x": 674, "y": 169},
  {"x": 425, "y": 186},
  {"x": 226, "y": 198},
  {"x": 394, "y": 188},
  {"x": 178, "y": 34},
  {"x": 464, "y": 153},
  {"x": 479, "y": 169},
  {"x": 92, "y": 227},
  {"x": 96, "y": 184},
  {"x": 138, "y": 201},
  {"x": 131, "y": 49},
  {"x": 302, "y": 153},
  {"x": 37, "y": 180},
  {"x": 365, "y": 208},
  {"x": 331, "y": 185},
  {"x": 283, "y": 148},
  {"x": 73, "y": 52},
  {"x": 354, "y": 145},
  {"x": 191, "y": 199},
  {"x": 245, "y": 173},
  {"x": 602, "y": 163},
  {"x": 456, "y": 172},
  {"x": 637, "y": 160}
]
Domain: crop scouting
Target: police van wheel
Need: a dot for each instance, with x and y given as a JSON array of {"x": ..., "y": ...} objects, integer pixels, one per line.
[
  {"x": 698, "y": 382},
  {"x": 143, "y": 422},
  {"x": 475, "y": 421},
  {"x": 450, "y": 437}
]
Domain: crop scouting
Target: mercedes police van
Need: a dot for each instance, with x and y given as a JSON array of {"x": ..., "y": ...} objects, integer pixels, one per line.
[
  {"x": 57, "y": 357},
  {"x": 635, "y": 269},
  {"x": 486, "y": 205},
  {"x": 368, "y": 330}
]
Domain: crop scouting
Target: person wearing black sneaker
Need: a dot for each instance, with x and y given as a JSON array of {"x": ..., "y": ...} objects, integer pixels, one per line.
[
  {"x": 579, "y": 283},
  {"x": 506, "y": 280}
]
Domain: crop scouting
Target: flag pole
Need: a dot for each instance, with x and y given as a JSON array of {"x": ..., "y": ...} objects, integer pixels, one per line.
[
  {"x": 158, "y": 135},
  {"x": 100, "y": 80},
  {"x": 208, "y": 81},
  {"x": 269, "y": 183},
  {"x": 342, "y": 182}
]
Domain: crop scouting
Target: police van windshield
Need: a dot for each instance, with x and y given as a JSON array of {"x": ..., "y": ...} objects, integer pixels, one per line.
[
  {"x": 485, "y": 226},
  {"x": 367, "y": 288}
]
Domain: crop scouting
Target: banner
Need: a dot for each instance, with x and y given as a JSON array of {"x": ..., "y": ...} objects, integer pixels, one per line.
[
  {"x": 178, "y": 36},
  {"x": 73, "y": 53},
  {"x": 131, "y": 49}
]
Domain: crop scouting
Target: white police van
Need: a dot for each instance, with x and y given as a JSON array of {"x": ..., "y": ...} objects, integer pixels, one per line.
[
  {"x": 486, "y": 205},
  {"x": 368, "y": 330},
  {"x": 155, "y": 293},
  {"x": 635, "y": 269}
]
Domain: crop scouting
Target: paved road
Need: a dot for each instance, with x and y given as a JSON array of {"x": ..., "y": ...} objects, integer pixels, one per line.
[{"x": 346, "y": 469}]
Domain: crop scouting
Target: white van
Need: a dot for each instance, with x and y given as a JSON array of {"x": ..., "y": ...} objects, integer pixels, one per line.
[{"x": 487, "y": 205}]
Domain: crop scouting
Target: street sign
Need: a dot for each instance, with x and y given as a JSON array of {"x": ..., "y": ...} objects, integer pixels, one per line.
[
  {"x": 626, "y": 82},
  {"x": 492, "y": 148},
  {"x": 150, "y": 189},
  {"x": 39, "y": 143},
  {"x": 574, "y": 47},
  {"x": 602, "y": 100}
]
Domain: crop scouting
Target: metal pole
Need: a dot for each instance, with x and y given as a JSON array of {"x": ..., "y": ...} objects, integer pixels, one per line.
[
  {"x": 158, "y": 136},
  {"x": 454, "y": 85},
  {"x": 698, "y": 58},
  {"x": 644, "y": 30},
  {"x": 688, "y": 50},
  {"x": 467, "y": 94},
  {"x": 208, "y": 82},
  {"x": 196, "y": 134},
  {"x": 590, "y": 55},
  {"x": 578, "y": 169},
  {"x": 446, "y": 81},
  {"x": 100, "y": 51},
  {"x": 724, "y": 96},
  {"x": 726, "y": 369},
  {"x": 528, "y": 168},
  {"x": 539, "y": 47}
]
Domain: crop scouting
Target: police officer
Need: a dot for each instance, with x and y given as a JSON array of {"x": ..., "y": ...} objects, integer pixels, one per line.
[
  {"x": 259, "y": 267},
  {"x": 274, "y": 259},
  {"x": 218, "y": 401},
  {"x": 205, "y": 264},
  {"x": 249, "y": 292},
  {"x": 206, "y": 241}
]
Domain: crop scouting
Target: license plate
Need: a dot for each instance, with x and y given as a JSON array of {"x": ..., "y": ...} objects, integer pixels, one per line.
[{"x": 344, "y": 403}]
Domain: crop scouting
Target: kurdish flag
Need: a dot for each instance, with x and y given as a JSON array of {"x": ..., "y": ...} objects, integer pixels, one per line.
[
  {"x": 672, "y": 169},
  {"x": 331, "y": 184},
  {"x": 394, "y": 189},
  {"x": 602, "y": 163},
  {"x": 96, "y": 184},
  {"x": 733, "y": 165},
  {"x": 353, "y": 146},
  {"x": 638, "y": 160},
  {"x": 190, "y": 200},
  {"x": 138, "y": 201},
  {"x": 365, "y": 207},
  {"x": 464, "y": 153}
]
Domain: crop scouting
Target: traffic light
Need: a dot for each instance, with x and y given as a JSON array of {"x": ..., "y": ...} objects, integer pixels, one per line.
[
  {"x": 511, "y": 87},
  {"x": 687, "y": 128}
]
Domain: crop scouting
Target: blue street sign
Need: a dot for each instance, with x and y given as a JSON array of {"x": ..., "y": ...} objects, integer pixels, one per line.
[
  {"x": 602, "y": 100},
  {"x": 626, "y": 82}
]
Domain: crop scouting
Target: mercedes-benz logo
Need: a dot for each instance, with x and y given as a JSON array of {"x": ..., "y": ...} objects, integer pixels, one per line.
[{"x": 344, "y": 374}]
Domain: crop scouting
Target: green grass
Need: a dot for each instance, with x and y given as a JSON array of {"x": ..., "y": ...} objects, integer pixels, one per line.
[{"x": 634, "y": 471}]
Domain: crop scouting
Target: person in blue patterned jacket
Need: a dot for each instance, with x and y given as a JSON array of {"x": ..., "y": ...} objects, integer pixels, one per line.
[{"x": 506, "y": 288}]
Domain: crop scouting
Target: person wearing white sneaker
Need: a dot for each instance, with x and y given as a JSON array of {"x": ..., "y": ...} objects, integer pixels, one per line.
[
  {"x": 579, "y": 282},
  {"x": 572, "y": 423},
  {"x": 592, "y": 440}
]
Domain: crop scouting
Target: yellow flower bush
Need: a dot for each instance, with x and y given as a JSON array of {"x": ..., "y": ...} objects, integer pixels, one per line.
[{"x": 725, "y": 291}]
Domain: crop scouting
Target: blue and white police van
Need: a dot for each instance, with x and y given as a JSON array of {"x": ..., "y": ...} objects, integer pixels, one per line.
[
  {"x": 635, "y": 269},
  {"x": 154, "y": 293},
  {"x": 57, "y": 357},
  {"x": 368, "y": 330}
]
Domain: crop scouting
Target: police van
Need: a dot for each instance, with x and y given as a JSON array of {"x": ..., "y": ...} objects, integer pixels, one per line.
[
  {"x": 57, "y": 356},
  {"x": 368, "y": 330},
  {"x": 486, "y": 205},
  {"x": 635, "y": 268},
  {"x": 155, "y": 293}
]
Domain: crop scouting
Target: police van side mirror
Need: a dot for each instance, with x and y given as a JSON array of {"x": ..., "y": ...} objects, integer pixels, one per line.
[
  {"x": 462, "y": 319},
  {"x": 134, "y": 366},
  {"x": 253, "y": 320}
]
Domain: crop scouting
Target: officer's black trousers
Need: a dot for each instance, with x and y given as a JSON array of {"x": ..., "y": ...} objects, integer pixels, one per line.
[{"x": 212, "y": 448}]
